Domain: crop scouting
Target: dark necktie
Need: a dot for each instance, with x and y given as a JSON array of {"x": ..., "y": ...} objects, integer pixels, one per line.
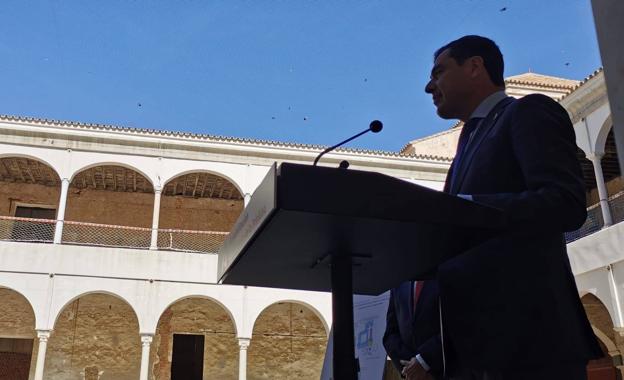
[{"x": 464, "y": 138}]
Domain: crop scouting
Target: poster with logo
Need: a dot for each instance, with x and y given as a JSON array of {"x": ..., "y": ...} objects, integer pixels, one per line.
[{"x": 369, "y": 319}]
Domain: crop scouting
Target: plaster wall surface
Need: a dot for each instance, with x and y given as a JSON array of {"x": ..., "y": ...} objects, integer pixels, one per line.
[{"x": 443, "y": 144}]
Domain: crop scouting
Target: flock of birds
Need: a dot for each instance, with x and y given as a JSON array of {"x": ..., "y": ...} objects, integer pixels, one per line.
[{"x": 305, "y": 118}]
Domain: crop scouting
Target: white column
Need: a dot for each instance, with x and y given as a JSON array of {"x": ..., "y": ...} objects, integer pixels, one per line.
[
  {"x": 247, "y": 198},
  {"x": 43, "y": 336},
  {"x": 243, "y": 344},
  {"x": 155, "y": 219},
  {"x": 60, "y": 217},
  {"x": 146, "y": 341},
  {"x": 615, "y": 295},
  {"x": 602, "y": 188}
]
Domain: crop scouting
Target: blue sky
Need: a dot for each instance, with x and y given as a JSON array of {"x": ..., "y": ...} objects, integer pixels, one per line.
[{"x": 299, "y": 71}]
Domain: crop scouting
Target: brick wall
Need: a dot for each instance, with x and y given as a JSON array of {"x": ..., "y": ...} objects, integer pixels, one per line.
[
  {"x": 124, "y": 208},
  {"x": 13, "y": 193}
]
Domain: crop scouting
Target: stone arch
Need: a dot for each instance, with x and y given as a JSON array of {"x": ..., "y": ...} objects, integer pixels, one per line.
[
  {"x": 31, "y": 157},
  {"x": 311, "y": 307},
  {"x": 206, "y": 318},
  {"x": 17, "y": 333},
  {"x": 608, "y": 343},
  {"x": 109, "y": 204},
  {"x": 111, "y": 163},
  {"x": 56, "y": 312},
  {"x": 205, "y": 297},
  {"x": 95, "y": 333},
  {"x": 601, "y": 136},
  {"x": 201, "y": 201},
  {"x": 215, "y": 173},
  {"x": 603, "y": 328},
  {"x": 6, "y": 315},
  {"x": 30, "y": 188},
  {"x": 599, "y": 316},
  {"x": 288, "y": 341}
]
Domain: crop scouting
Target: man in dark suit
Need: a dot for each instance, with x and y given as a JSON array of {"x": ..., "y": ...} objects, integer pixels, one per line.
[
  {"x": 510, "y": 305},
  {"x": 413, "y": 328}
]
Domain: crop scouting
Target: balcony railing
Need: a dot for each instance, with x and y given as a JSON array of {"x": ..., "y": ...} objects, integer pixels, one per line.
[
  {"x": 595, "y": 222},
  {"x": 106, "y": 235},
  {"x": 190, "y": 241},
  {"x": 27, "y": 229}
]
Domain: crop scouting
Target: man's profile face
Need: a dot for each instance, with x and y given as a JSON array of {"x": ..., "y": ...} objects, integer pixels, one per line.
[{"x": 448, "y": 85}]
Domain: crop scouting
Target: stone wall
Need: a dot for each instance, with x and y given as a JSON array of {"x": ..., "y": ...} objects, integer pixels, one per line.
[
  {"x": 95, "y": 337},
  {"x": 199, "y": 317},
  {"x": 17, "y": 320},
  {"x": 288, "y": 342},
  {"x": 598, "y": 315}
]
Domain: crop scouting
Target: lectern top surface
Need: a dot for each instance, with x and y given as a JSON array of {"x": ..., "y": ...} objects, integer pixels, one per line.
[{"x": 301, "y": 215}]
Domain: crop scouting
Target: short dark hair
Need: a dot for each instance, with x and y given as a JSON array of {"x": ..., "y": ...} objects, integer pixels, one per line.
[{"x": 471, "y": 46}]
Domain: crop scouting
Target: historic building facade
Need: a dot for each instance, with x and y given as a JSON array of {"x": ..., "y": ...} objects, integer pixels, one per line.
[
  {"x": 108, "y": 264},
  {"x": 108, "y": 241}
]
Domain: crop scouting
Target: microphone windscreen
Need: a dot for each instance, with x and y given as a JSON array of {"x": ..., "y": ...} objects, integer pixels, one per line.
[{"x": 376, "y": 126}]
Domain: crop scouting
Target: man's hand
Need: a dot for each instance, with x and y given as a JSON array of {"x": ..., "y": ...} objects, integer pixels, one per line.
[{"x": 412, "y": 370}]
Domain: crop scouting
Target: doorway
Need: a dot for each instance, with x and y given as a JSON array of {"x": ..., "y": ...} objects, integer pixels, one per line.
[
  {"x": 187, "y": 361},
  {"x": 15, "y": 357}
]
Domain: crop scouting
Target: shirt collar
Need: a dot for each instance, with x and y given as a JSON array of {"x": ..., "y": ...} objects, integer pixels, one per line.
[{"x": 488, "y": 104}]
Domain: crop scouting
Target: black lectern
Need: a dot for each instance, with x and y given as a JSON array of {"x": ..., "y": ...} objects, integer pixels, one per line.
[{"x": 348, "y": 231}]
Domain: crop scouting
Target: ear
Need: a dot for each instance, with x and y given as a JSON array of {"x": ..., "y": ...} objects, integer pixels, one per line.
[{"x": 476, "y": 66}]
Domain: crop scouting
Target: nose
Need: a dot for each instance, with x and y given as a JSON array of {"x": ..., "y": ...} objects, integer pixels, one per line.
[{"x": 429, "y": 87}]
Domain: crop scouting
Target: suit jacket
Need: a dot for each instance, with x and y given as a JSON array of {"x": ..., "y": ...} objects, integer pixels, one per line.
[
  {"x": 412, "y": 331},
  {"x": 512, "y": 301}
]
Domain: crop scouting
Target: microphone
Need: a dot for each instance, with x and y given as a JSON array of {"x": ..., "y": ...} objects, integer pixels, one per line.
[{"x": 375, "y": 127}]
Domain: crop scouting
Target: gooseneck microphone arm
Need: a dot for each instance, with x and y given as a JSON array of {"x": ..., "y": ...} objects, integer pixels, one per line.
[{"x": 375, "y": 126}]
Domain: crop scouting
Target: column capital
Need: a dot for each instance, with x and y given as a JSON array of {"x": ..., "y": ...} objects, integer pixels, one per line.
[
  {"x": 43, "y": 335},
  {"x": 243, "y": 343},
  {"x": 65, "y": 180},
  {"x": 158, "y": 190},
  {"x": 146, "y": 339}
]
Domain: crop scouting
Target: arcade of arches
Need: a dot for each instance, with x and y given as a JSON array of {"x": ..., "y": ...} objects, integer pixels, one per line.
[
  {"x": 117, "y": 195},
  {"x": 96, "y": 337}
]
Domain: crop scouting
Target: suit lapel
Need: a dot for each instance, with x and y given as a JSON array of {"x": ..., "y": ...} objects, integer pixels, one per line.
[{"x": 483, "y": 130}]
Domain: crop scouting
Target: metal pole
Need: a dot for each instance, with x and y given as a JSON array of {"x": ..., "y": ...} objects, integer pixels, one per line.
[{"x": 344, "y": 364}]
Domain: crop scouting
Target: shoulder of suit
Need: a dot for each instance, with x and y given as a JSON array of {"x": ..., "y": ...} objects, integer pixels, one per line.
[{"x": 536, "y": 99}]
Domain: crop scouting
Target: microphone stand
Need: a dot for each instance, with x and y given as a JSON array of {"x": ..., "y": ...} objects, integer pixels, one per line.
[{"x": 375, "y": 126}]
